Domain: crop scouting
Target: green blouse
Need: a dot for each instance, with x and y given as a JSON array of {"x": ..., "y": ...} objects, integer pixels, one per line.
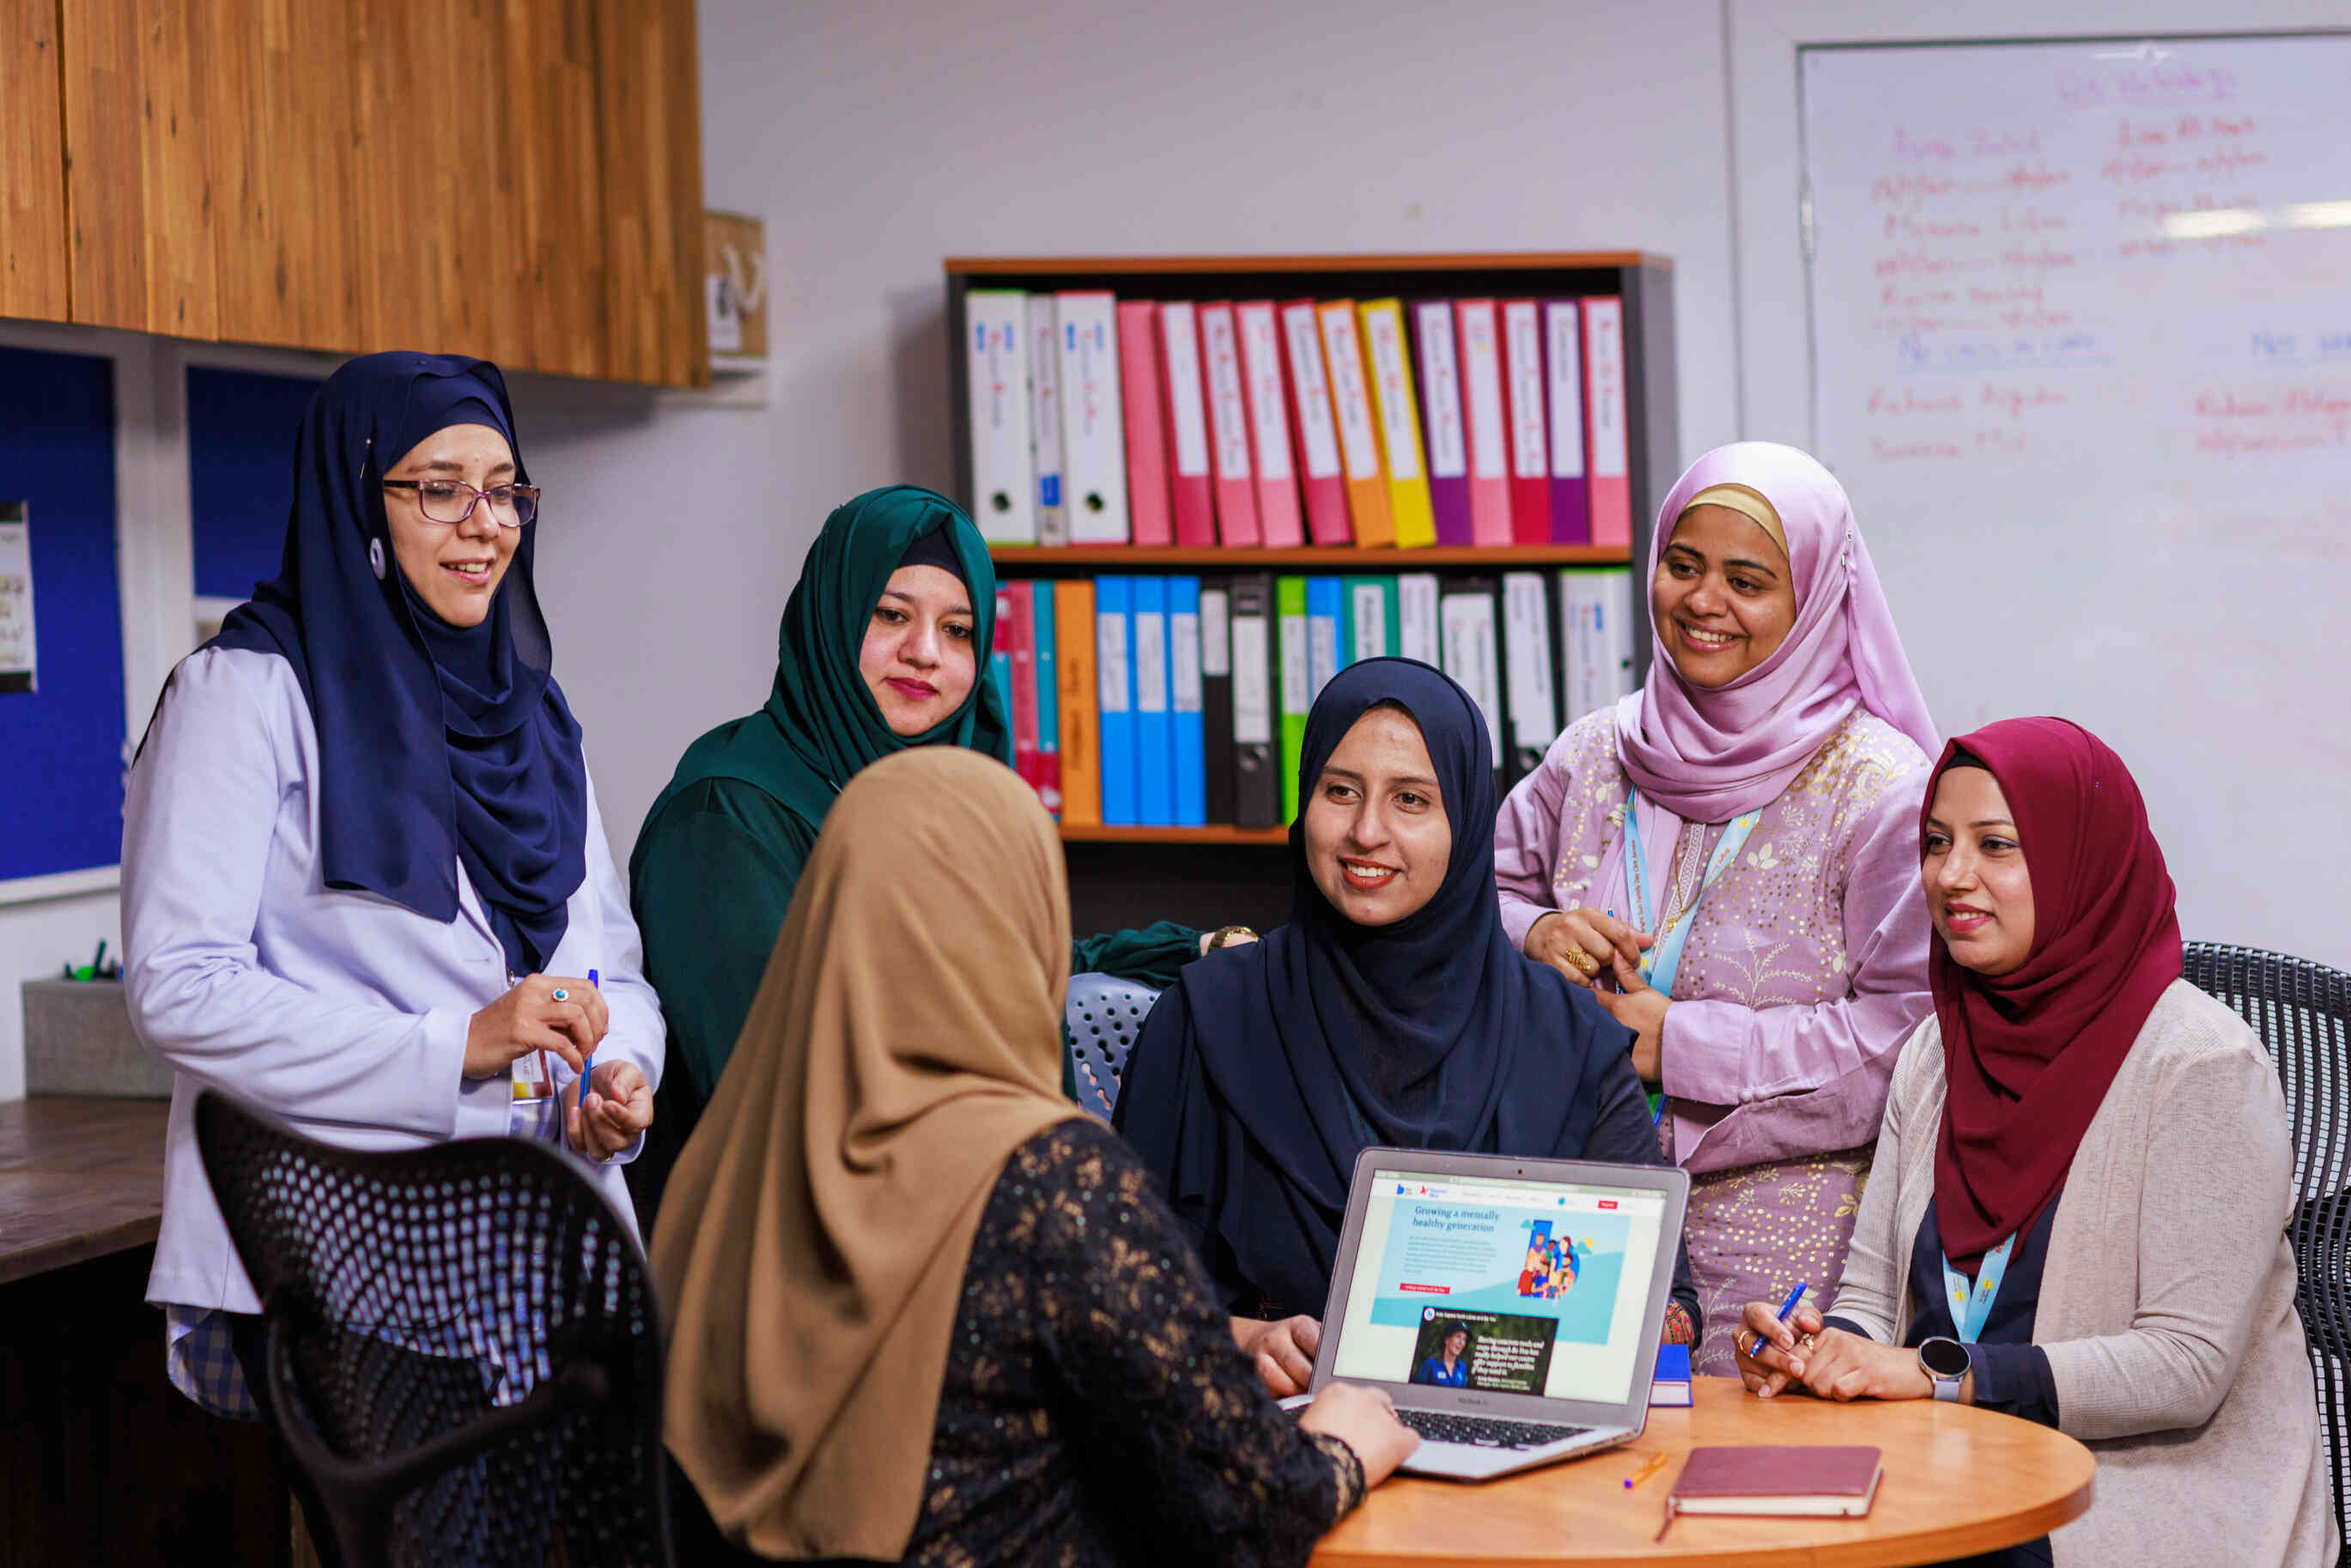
[{"x": 713, "y": 879}]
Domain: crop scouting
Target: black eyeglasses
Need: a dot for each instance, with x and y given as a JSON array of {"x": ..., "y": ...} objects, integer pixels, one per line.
[{"x": 453, "y": 501}]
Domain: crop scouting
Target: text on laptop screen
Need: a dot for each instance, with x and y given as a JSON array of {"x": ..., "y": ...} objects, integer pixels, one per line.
[{"x": 1505, "y": 1287}]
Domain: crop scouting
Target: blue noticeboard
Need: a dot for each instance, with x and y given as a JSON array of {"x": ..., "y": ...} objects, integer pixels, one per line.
[
  {"x": 241, "y": 431},
  {"x": 61, "y": 743}
]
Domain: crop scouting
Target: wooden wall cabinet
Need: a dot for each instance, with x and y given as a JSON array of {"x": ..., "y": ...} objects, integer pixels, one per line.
[
  {"x": 516, "y": 179},
  {"x": 33, "y": 280}
]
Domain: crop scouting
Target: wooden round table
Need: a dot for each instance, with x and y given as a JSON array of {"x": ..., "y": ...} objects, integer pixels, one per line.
[{"x": 1958, "y": 1480}]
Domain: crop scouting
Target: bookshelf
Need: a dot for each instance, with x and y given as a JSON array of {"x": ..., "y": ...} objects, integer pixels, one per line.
[
  {"x": 1216, "y": 833},
  {"x": 1130, "y": 876}
]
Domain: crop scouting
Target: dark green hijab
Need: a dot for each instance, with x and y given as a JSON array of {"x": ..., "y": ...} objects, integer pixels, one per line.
[{"x": 820, "y": 725}]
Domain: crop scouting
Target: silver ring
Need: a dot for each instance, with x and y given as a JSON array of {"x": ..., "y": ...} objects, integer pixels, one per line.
[{"x": 560, "y": 995}]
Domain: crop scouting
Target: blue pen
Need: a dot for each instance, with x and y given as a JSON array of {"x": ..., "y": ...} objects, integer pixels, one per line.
[
  {"x": 1795, "y": 1296},
  {"x": 586, "y": 1062}
]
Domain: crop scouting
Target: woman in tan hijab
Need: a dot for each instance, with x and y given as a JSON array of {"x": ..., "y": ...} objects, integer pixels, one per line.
[{"x": 923, "y": 1308}]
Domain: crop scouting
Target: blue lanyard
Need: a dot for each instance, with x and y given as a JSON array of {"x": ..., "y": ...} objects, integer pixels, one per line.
[
  {"x": 1660, "y": 963},
  {"x": 1969, "y": 1307}
]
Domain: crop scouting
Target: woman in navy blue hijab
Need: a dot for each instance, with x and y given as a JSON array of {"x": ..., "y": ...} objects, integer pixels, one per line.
[
  {"x": 364, "y": 883},
  {"x": 1392, "y": 1009},
  {"x": 442, "y": 738}
]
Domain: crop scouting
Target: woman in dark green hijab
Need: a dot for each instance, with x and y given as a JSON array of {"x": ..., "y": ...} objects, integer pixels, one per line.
[{"x": 884, "y": 646}]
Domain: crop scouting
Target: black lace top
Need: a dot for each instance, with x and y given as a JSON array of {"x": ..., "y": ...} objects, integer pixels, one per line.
[{"x": 1095, "y": 1409}]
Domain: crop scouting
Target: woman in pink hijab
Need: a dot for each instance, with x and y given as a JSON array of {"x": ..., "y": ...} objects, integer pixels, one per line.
[{"x": 1761, "y": 925}]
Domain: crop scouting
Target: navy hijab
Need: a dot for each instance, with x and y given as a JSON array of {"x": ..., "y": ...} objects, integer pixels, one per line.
[
  {"x": 1301, "y": 1051},
  {"x": 438, "y": 745}
]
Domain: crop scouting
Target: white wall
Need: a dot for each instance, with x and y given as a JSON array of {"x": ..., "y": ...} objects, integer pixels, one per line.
[{"x": 876, "y": 141}]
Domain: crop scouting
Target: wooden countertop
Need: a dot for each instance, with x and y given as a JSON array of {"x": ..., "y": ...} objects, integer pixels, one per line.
[{"x": 79, "y": 1178}]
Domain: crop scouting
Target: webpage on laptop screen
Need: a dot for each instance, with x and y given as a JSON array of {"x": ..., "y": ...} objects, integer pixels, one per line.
[{"x": 1508, "y": 1287}]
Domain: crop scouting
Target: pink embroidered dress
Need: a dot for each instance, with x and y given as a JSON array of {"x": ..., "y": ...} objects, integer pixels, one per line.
[{"x": 1804, "y": 966}]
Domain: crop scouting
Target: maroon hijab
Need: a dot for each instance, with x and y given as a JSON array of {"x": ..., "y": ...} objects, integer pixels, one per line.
[{"x": 2028, "y": 1055}]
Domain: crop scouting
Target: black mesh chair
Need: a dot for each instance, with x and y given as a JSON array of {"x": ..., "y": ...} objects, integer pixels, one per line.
[
  {"x": 2301, "y": 1010},
  {"x": 463, "y": 1351},
  {"x": 1099, "y": 1024}
]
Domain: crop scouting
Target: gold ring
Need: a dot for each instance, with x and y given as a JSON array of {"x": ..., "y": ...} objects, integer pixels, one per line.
[{"x": 1584, "y": 963}]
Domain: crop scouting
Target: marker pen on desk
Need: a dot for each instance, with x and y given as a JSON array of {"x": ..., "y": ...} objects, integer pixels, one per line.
[
  {"x": 587, "y": 1061},
  {"x": 1657, "y": 1462}
]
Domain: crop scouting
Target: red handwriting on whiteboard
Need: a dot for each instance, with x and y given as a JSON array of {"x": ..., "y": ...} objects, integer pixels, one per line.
[
  {"x": 1910, "y": 401},
  {"x": 1909, "y": 149},
  {"x": 2310, "y": 417},
  {"x": 1924, "y": 322},
  {"x": 2016, "y": 401},
  {"x": 2031, "y": 220},
  {"x": 1925, "y": 264},
  {"x": 2036, "y": 258},
  {"x": 2195, "y": 126},
  {"x": 1912, "y": 451},
  {"x": 1983, "y": 144},
  {"x": 2229, "y": 161},
  {"x": 1908, "y": 188},
  {"x": 1893, "y": 296},
  {"x": 1902, "y": 227},
  {"x": 2138, "y": 169}
]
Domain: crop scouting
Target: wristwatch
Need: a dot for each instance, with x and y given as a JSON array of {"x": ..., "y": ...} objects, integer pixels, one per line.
[{"x": 1945, "y": 1362}]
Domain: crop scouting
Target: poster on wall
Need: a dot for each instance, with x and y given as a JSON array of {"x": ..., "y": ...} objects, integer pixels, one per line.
[{"x": 17, "y": 646}]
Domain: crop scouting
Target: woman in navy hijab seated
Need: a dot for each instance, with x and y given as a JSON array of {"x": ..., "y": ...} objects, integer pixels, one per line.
[
  {"x": 1392, "y": 1009},
  {"x": 363, "y": 878}
]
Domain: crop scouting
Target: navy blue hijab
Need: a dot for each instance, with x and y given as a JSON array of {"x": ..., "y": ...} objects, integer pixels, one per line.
[
  {"x": 437, "y": 745},
  {"x": 1286, "y": 1058}
]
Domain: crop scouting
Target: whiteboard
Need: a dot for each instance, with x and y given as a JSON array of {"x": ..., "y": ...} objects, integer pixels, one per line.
[{"x": 2082, "y": 356}]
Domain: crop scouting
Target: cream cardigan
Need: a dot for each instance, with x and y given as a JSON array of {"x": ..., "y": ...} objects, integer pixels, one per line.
[{"x": 2167, "y": 1302}]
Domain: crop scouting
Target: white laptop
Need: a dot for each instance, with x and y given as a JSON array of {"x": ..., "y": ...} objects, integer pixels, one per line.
[{"x": 1511, "y": 1308}]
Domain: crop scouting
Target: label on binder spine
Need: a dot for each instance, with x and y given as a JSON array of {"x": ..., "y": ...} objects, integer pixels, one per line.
[
  {"x": 1252, "y": 684},
  {"x": 1151, "y": 663},
  {"x": 1215, "y": 632},
  {"x": 1184, "y": 660}
]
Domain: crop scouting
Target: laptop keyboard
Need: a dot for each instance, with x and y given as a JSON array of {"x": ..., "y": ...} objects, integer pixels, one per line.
[{"x": 1485, "y": 1431}]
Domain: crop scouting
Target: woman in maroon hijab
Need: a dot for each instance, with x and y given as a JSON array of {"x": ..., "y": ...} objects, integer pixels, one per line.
[{"x": 2083, "y": 1184}]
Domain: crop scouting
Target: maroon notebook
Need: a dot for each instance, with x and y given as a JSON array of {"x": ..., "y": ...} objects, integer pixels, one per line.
[{"x": 1808, "y": 1482}]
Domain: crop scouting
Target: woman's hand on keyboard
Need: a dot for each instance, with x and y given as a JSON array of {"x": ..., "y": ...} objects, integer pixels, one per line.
[{"x": 1365, "y": 1420}]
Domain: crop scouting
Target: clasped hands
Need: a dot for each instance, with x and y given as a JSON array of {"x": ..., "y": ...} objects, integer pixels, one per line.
[
  {"x": 1582, "y": 944},
  {"x": 565, "y": 1016},
  {"x": 1805, "y": 1353}
]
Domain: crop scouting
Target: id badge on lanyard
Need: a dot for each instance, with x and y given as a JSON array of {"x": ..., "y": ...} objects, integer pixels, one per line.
[
  {"x": 1663, "y": 957},
  {"x": 532, "y": 1080},
  {"x": 1970, "y": 1307}
]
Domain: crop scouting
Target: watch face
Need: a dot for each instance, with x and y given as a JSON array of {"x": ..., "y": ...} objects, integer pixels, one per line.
[{"x": 1944, "y": 1358}]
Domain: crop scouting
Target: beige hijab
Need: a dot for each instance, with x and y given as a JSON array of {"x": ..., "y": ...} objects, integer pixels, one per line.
[{"x": 813, "y": 1238}]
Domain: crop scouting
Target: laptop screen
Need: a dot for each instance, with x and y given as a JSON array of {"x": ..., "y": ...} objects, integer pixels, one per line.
[{"x": 1503, "y": 1286}]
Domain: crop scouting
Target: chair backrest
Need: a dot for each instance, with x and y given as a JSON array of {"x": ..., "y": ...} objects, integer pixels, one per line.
[
  {"x": 465, "y": 1351},
  {"x": 2301, "y": 1010},
  {"x": 1099, "y": 1025}
]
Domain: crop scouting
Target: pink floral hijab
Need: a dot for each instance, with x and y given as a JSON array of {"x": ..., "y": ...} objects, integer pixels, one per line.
[{"x": 1708, "y": 755}]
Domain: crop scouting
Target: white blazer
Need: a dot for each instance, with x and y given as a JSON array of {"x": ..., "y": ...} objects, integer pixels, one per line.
[{"x": 341, "y": 1012}]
